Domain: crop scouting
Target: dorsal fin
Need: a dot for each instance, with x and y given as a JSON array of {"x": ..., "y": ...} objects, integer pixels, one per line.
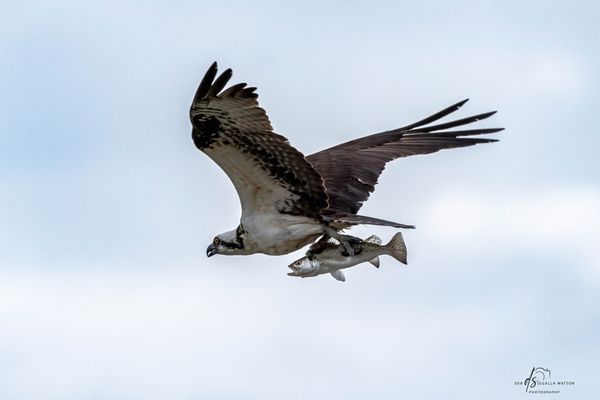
[{"x": 373, "y": 239}]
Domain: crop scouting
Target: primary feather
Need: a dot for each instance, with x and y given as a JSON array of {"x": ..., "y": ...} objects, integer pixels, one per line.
[{"x": 289, "y": 200}]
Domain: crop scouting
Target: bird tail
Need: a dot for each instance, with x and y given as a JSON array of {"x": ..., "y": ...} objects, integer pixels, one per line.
[{"x": 352, "y": 219}]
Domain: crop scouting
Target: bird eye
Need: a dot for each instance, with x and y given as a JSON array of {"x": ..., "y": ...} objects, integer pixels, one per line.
[{"x": 216, "y": 241}]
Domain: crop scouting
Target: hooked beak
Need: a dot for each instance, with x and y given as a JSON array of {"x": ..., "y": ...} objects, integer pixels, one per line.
[{"x": 211, "y": 251}]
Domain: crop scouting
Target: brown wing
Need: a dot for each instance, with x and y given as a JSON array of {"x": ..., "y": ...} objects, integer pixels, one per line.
[
  {"x": 269, "y": 174},
  {"x": 351, "y": 169}
]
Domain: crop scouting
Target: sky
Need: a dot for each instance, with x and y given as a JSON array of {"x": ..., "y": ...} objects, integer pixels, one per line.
[{"x": 106, "y": 207}]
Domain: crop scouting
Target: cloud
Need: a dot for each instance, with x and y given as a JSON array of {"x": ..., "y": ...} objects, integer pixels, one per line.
[
  {"x": 562, "y": 222},
  {"x": 107, "y": 207},
  {"x": 172, "y": 333}
]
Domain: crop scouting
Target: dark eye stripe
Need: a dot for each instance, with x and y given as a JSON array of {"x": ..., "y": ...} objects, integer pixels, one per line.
[
  {"x": 232, "y": 245},
  {"x": 238, "y": 235}
]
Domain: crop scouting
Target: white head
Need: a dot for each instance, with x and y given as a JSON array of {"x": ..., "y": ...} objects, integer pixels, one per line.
[{"x": 228, "y": 243}]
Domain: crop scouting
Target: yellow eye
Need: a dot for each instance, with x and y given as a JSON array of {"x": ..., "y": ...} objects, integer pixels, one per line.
[{"x": 216, "y": 241}]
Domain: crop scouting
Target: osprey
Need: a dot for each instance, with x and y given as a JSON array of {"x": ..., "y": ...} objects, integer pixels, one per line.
[{"x": 289, "y": 200}]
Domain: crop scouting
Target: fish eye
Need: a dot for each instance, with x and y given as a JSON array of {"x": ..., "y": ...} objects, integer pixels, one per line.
[{"x": 216, "y": 241}]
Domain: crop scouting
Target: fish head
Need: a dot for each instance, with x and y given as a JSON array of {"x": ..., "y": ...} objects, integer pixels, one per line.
[{"x": 303, "y": 266}]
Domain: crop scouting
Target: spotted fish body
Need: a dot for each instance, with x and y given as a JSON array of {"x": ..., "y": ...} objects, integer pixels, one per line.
[{"x": 332, "y": 259}]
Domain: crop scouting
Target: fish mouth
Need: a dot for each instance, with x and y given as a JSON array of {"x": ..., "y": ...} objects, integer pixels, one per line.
[
  {"x": 298, "y": 266},
  {"x": 294, "y": 268}
]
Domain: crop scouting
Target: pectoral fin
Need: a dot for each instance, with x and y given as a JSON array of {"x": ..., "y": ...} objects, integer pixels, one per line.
[
  {"x": 375, "y": 262},
  {"x": 339, "y": 275}
]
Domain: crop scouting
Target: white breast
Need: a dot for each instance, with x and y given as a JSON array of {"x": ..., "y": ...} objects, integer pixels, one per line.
[{"x": 277, "y": 234}]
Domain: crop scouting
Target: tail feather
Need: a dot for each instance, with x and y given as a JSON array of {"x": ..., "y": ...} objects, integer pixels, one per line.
[
  {"x": 352, "y": 219},
  {"x": 397, "y": 248}
]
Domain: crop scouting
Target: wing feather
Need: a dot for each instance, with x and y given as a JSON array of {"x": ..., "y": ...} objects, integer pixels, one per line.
[
  {"x": 269, "y": 174},
  {"x": 219, "y": 83},
  {"x": 351, "y": 170}
]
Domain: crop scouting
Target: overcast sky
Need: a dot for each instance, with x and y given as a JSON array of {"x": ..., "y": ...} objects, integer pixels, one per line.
[{"x": 106, "y": 207}]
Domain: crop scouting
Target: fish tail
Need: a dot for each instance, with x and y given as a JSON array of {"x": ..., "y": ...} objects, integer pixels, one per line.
[{"x": 396, "y": 248}]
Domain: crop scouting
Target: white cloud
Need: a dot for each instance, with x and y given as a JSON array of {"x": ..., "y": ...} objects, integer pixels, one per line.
[
  {"x": 554, "y": 74},
  {"x": 182, "y": 333},
  {"x": 82, "y": 315},
  {"x": 563, "y": 222}
]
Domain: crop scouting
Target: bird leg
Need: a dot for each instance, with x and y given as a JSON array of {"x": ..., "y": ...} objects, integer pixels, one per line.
[
  {"x": 347, "y": 241},
  {"x": 318, "y": 246}
]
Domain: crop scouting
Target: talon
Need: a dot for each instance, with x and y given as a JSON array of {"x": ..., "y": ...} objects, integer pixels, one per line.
[
  {"x": 351, "y": 247},
  {"x": 348, "y": 250},
  {"x": 317, "y": 247}
]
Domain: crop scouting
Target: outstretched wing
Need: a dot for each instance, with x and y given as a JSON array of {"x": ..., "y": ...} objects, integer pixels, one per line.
[
  {"x": 269, "y": 174},
  {"x": 351, "y": 169}
]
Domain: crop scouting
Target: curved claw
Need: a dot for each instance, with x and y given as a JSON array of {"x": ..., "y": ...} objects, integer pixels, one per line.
[
  {"x": 351, "y": 244},
  {"x": 318, "y": 246}
]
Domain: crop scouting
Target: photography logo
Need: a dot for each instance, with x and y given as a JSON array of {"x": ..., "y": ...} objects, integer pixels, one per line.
[
  {"x": 540, "y": 381},
  {"x": 538, "y": 374}
]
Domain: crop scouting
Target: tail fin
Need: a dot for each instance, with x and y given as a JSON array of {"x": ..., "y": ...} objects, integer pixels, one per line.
[{"x": 396, "y": 248}]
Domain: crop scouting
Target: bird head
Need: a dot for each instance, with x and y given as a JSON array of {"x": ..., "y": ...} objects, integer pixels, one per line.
[{"x": 228, "y": 243}]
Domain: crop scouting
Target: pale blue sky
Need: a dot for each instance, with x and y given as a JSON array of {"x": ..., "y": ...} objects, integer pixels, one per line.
[{"x": 106, "y": 207}]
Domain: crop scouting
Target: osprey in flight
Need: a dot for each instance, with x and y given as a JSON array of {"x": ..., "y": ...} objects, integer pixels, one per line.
[{"x": 289, "y": 200}]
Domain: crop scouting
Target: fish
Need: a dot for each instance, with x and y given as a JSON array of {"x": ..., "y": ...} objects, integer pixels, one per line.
[{"x": 332, "y": 259}]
